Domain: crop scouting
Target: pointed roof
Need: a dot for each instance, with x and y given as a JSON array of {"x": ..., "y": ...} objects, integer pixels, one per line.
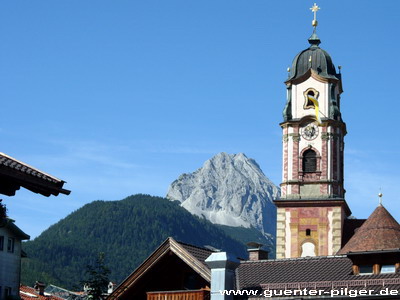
[
  {"x": 193, "y": 256},
  {"x": 379, "y": 232}
]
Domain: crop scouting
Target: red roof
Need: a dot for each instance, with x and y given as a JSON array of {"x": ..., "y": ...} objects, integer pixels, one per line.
[
  {"x": 29, "y": 293},
  {"x": 379, "y": 232}
]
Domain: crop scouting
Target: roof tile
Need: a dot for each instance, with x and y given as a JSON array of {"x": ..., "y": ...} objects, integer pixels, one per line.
[{"x": 379, "y": 232}]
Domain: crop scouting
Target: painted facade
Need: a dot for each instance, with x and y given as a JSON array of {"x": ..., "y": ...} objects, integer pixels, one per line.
[{"x": 312, "y": 208}]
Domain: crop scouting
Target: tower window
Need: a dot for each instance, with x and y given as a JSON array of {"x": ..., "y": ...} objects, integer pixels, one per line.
[
  {"x": 308, "y": 249},
  {"x": 311, "y": 92},
  {"x": 309, "y": 103},
  {"x": 309, "y": 161},
  {"x": 308, "y": 232}
]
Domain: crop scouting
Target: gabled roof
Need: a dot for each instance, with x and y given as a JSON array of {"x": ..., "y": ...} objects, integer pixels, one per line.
[
  {"x": 379, "y": 232},
  {"x": 14, "y": 174},
  {"x": 193, "y": 256},
  {"x": 16, "y": 231}
]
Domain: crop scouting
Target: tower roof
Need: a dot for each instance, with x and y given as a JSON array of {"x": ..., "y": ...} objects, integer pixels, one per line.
[
  {"x": 313, "y": 58},
  {"x": 379, "y": 232}
]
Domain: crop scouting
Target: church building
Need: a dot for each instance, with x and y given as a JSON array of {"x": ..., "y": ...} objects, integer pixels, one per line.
[
  {"x": 321, "y": 252},
  {"x": 312, "y": 209}
]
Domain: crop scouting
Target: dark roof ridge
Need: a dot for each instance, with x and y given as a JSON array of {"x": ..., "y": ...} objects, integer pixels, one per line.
[
  {"x": 198, "y": 247},
  {"x": 295, "y": 258}
]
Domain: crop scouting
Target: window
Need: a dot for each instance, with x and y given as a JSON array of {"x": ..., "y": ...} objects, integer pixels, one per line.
[
  {"x": 309, "y": 94},
  {"x": 309, "y": 103},
  {"x": 308, "y": 232},
  {"x": 309, "y": 161},
  {"x": 308, "y": 249},
  {"x": 7, "y": 291},
  {"x": 366, "y": 270},
  {"x": 388, "y": 269},
  {"x": 10, "y": 245},
  {"x": 1, "y": 243}
]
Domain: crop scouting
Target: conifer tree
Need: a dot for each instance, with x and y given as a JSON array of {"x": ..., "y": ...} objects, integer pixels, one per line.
[{"x": 97, "y": 278}]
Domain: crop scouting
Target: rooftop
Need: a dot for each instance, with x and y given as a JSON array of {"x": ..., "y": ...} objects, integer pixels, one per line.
[
  {"x": 15, "y": 174},
  {"x": 379, "y": 232}
]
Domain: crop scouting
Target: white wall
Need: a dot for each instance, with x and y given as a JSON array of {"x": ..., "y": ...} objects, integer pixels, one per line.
[{"x": 10, "y": 264}]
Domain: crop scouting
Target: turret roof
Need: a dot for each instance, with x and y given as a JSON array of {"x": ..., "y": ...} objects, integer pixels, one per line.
[
  {"x": 379, "y": 232},
  {"x": 313, "y": 58}
]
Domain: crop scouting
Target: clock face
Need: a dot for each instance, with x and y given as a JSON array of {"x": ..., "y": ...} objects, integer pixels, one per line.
[{"x": 310, "y": 131}]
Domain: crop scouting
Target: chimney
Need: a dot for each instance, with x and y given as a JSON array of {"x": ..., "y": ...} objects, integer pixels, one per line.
[
  {"x": 39, "y": 286},
  {"x": 222, "y": 267},
  {"x": 255, "y": 251}
]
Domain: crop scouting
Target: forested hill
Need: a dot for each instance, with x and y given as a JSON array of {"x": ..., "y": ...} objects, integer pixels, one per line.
[{"x": 127, "y": 231}]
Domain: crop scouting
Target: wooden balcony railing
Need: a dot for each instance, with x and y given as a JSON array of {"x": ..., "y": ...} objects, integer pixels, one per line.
[{"x": 179, "y": 295}]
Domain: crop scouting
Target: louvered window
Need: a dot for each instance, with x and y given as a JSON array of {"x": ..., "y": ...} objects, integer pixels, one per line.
[{"x": 309, "y": 161}]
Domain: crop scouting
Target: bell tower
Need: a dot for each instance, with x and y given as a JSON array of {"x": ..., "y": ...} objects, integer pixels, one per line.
[{"x": 312, "y": 208}]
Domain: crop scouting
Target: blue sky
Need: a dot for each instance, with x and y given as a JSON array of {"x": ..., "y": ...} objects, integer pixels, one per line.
[{"x": 121, "y": 97}]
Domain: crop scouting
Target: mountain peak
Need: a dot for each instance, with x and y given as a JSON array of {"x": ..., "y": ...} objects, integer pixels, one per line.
[{"x": 230, "y": 189}]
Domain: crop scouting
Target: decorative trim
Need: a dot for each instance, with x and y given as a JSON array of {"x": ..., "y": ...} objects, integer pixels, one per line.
[
  {"x": 164, "y": 250},
  {"x": 296, "y": 137},
  {"x": 326, "y": 136},
  {"x": 316, "y": 76},
  {"x": 285, "y": 138},
  {"x": 305, "y": 93}
]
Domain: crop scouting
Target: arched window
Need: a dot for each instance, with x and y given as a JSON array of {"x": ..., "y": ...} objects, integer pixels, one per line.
[
  {"x": 309, "y": 103},
  {"x": 309, "y": 161},
  {"x": 308, "y": 249}
]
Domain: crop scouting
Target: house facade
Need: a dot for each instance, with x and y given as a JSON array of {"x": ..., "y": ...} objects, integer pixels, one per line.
[
  {"x": 173, "y": 271},
  {"x": 10, "y": 257},
  {"x": 15, "y": 174}
]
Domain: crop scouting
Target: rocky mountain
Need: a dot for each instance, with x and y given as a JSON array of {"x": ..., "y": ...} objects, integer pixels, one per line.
[
  {"x": 230, "y": 189},
  {"x": 126, "y": 231}
]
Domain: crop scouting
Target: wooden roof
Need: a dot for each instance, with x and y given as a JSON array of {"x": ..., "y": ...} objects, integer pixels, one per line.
[
  {"x": 15, "y": 174},
  {"x": 191, "y": 255}
]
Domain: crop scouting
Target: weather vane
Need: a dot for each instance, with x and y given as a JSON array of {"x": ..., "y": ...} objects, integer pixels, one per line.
[
  {"x": 380, "y": 195},
  {"x": 314, "y": 9}
]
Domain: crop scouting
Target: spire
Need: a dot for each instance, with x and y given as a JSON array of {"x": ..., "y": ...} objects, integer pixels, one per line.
[
  {"x": 314, "y": 39},
  {"x": 379, "y": 232}
]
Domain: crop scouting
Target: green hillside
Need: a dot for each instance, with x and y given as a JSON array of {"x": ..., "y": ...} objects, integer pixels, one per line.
[
  {"x": 127, "y": 231},
  {"x": 246, "y": 235}
]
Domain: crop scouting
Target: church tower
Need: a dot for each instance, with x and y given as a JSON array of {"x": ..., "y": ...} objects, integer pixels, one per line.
[{"x": 312, "y": 208}]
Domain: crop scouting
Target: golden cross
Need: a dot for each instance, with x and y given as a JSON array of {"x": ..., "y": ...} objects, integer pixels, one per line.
[{"x": 314, "y": 9}]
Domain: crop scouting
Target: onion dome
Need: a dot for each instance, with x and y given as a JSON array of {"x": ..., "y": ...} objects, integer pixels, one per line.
[
  {"x": 379, "y": 232},
  {"x": 313, "y": 58}
]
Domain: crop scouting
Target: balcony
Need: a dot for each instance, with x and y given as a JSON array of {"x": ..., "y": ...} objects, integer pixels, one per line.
[{"x": 179, "y": 295}]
